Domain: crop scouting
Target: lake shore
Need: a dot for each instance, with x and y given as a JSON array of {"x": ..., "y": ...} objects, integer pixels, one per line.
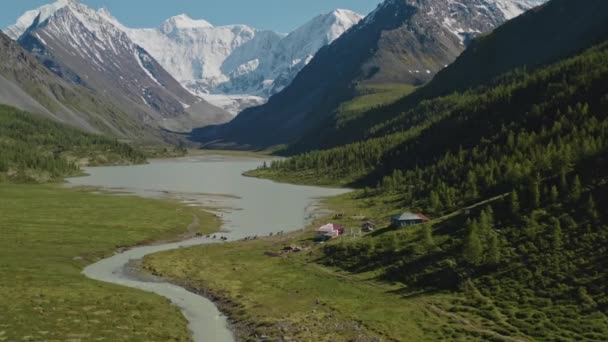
[{"x": 236, "y": 200}]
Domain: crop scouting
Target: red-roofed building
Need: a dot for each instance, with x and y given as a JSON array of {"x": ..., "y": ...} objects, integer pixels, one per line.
[{"x": 331, "y": 230}]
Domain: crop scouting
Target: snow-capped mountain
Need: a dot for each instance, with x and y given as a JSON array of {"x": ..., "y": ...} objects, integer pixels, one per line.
[
  {"x": 25, "y": 21},
  {"x": 232, "y": 66},
  {"x": 194, "y": 52},
  {"x": 90, "y": 48},
  {"x": 237, "y": 66},
  {"x": 27, "y": 84}
]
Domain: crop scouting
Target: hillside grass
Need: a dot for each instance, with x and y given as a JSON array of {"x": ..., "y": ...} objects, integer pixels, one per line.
[
  {"x": 292, "y": 297},
  {"x": 341, "y": 291},
  {"x": 49, "y": 234},
  {"x": 370, "y": 96},
  {"x": 296, "y": 296}
]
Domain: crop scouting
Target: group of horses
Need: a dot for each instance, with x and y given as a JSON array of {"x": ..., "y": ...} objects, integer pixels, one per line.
[
  {"x": 248, "y": 238},
  {"x": 223, "y": 238}
]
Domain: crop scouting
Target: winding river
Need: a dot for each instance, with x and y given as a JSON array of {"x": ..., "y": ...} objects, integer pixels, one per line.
[{"x": 248, "y": 206}]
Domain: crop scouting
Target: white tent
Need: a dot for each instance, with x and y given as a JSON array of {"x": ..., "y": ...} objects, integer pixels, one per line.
[{"x": 328, "y": 228}]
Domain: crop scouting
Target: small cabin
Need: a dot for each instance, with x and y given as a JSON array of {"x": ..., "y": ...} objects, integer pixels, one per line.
[{"x": 408, "y": 219}]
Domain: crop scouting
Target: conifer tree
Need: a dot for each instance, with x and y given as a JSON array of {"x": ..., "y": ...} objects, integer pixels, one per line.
[
  {"x": 592, "y": 210},
  {"x": 556, "y": 233},
  {"x": 434, "y": 201},
  {"x": 535, "y": 194},
  {"x": 577, "y": 188},
  {"x": 473, "y": 248},
  {"x": 427, "y": 235},
  {"x": 494, "y": 250},
  {"x": 514, "y": 203},
  {"x": 554, "y": 195}
]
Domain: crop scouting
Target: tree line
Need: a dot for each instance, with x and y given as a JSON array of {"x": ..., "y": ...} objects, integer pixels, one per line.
[{"x": 34, "y": 148}]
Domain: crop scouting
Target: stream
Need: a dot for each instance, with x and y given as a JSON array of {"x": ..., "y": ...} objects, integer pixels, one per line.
[{"x": 248, "y": 207}]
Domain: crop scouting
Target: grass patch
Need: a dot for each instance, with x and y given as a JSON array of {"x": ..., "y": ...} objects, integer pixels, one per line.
[
  {"x": 298, "y": 296},
  {"x": 296, "y": 178},
  {"x": 370, "y": 96},
  {"x": 49, "y": 234},
  {"x": 230, "y": 153},
  {"x": 288, "y": 296}
]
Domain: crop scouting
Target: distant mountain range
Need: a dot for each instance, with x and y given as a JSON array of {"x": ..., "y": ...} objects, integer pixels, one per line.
[
  {"x": 402, "y": 41},
  {"x": 234, "y": 66},
  {"x": 188, "y": 73}
]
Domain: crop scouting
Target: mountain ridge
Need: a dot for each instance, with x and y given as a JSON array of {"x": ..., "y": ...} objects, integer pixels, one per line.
[
  {"x": 27, "y": 84},
  {"x": 231, "y": 66}
]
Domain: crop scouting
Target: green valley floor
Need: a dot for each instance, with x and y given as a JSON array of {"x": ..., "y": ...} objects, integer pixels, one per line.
[
  {"x": 277, "y": 296},
  {"x": 48, "y": 234}
]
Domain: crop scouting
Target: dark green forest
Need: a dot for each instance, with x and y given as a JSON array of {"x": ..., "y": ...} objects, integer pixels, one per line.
[
  {"x": 34, "y": 149},
  {"x": 528, "y": 156}
]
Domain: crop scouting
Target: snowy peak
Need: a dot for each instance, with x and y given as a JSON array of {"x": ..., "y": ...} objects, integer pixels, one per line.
[
  {"x": 332, "y": 24},
  {"x": 339, "y": 21},
  {"x": 82, "y": 12},
  {"x": 27, "y": 19},
  {"x": 184, "y": 22},
  {"x": 513, "y": 8},
  {"x": 91, "y": 48}
]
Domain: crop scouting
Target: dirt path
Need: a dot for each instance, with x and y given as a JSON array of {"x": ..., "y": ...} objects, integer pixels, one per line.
[{"x": 195, "y": 226}]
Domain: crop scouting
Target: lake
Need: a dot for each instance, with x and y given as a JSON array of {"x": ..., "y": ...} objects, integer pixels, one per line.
[{"x": 248, "y": 206}]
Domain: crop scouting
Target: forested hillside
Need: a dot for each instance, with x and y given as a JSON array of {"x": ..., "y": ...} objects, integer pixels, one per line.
[
  {"x": 34, "y": 149},
  {"x": 515, "y": 175}
]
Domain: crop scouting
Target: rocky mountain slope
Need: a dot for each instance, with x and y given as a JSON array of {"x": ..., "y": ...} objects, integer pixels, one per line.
[
  {"x": 535, "y": 33},
  {"x": 85, "y": 47},
  {"x": 402, "y": 41},
  {"x": 538, "y": 32},
  {"x": 27, "y": 84}
]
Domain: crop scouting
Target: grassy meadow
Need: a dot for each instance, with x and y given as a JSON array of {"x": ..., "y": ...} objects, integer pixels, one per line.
[
  {"x": 370, "y": 96},
  {"x": 49, "y": 234},
  {"x": 295, "y": 296}
]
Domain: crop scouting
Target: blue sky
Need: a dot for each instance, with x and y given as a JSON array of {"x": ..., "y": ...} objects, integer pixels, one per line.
[{"x": 277, "y": 15}]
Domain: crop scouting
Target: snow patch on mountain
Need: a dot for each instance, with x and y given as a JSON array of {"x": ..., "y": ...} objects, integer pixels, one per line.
[
  {"x": 138, "y": 58},
  {"x": 514, "y": 8},
  {"x": 233, "y": 103},
  {"x": 184, "y": 22},
  {"x": 27, "y": 19}
]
